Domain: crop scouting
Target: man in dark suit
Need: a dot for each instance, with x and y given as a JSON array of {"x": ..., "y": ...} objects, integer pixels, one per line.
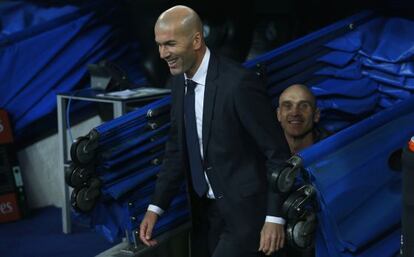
[{"x": 224, "y": 141}]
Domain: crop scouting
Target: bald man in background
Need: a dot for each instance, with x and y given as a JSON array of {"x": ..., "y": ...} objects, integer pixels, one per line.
[
  {"x": 298, "y": 115},
  {"x": 234, "y": 212}
]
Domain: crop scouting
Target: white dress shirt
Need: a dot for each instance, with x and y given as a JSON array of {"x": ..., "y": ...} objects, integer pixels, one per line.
[{"x": 200, "y": 78}]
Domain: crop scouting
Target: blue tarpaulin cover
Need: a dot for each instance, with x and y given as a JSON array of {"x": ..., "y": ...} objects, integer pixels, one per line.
[
  {"x": 45, "y": 50},
  {"x": 359, "y": 193},
  {"x": 124, "y": 164}
]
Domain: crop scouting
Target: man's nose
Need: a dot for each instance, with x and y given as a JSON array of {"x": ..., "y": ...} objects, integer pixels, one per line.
[
  {"x": 163, "y": 52},
  {"x": 295, "y": 110}
]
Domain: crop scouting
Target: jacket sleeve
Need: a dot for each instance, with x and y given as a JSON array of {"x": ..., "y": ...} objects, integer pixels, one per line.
[
  {"x": 171, "y": 175},
  {"x": 255, "y": 111}
]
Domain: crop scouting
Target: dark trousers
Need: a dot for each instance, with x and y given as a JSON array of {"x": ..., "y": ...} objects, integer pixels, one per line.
[{"x": 212, "y": 237}]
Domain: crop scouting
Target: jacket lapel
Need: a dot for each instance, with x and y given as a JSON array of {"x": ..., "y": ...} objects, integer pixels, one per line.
[
  {"x": 180, "y": 107},
  {"x": 209, "y": 100}
]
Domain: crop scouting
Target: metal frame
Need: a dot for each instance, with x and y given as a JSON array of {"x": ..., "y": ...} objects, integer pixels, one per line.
[{"x": 119, "y": 108}]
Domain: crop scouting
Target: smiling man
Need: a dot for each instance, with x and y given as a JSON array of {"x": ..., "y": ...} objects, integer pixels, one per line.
[
  {"x": 298, "y": 116},
  {"x": 224, "y": 142}
]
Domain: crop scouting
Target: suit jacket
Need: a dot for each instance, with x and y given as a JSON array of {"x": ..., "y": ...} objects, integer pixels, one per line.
[{"x": 242, "y": 142}]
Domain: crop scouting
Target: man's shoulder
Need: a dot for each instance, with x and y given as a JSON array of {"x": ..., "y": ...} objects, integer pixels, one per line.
[
  {"x": 321, "y": 133},
  {"x": 232, "y": 68},
  {"x": 227, "y": 61}
]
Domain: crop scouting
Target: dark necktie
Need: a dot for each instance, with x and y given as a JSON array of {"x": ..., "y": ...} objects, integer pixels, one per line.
[{"x": 193, "y": 146}]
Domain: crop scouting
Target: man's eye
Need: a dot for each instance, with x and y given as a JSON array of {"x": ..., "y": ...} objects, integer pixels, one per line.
[
  {"x": 287, "y": 106},
  {"x": 304, "y": 106}
]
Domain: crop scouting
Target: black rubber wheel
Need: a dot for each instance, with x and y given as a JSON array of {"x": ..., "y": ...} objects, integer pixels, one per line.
[
  {"x": 78, "y": 153},
  {"x": 80, "y": 200}
]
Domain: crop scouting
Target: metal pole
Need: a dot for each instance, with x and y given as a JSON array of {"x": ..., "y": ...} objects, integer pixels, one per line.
[{"x": 62, "y": 138}]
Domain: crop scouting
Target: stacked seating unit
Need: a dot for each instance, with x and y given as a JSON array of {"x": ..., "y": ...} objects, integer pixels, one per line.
[{"x": 114, "y": 170}]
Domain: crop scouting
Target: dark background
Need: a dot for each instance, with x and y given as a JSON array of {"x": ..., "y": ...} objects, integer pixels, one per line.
[
  {"x": 241, "y": 30},
  {"x": 245, "y": 29}
]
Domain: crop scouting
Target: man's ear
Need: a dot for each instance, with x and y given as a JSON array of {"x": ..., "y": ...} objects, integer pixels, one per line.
[
  {"x": 197, "y": 40},
  {"x": 278, "y": 113},
  {"x": 317, "y": 115}
]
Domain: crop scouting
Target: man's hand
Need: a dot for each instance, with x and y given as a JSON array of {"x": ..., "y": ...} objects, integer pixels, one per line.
[
  {"x": 272, "y": 238},
  {"x": 146, "y": 227}
]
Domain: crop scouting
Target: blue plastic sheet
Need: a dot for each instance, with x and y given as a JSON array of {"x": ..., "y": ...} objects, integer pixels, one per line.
[
  {"x": 131, "y": 119},
  {"x": 134, "y": 154},
  {"x": 350, "y": 42},
  {"x": 366, "y": 59},
  {"x": 352, "y": 71},
  {"x": 346, "y": 88},
  {"x": 44, "y": 51},
  {"x": 355, "y": 106},
  {"x": 380, "y": 43},
  {"x": 128, "y": 146},
  {"x": 108, "y": 175},
  {"x": 402, "y": 68},
  {"x": 337, "y": 58},
  {"x": 359, "y": 194},
  {"x": 19, "y": 16}
]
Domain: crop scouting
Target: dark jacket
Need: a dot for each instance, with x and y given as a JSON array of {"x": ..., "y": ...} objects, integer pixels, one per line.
[{"x": 242, "y": 143}]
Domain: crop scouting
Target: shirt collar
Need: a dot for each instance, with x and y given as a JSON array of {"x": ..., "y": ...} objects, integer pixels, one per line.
[{"x": 201, "y": 73}]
